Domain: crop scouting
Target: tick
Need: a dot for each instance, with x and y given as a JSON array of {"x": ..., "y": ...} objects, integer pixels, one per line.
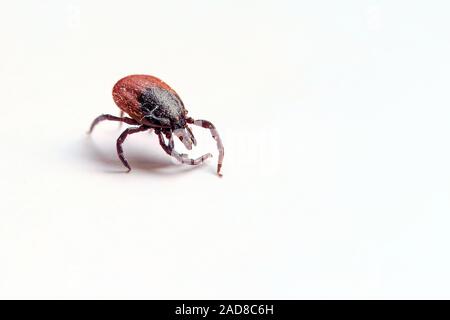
[{"x": 152, "y": 105}]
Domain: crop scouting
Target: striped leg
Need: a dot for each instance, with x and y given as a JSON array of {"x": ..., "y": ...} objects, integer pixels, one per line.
[
  {"x": 122, "y": 138},
  {"x": 208, "y": 125},
  {"x": 183, "y": 158},
  {"x": 111, "y": 118}
]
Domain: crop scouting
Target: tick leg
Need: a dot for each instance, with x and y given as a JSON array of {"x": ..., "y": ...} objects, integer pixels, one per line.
[
  {"x": 121, "y": 115},
  {"x": 122, "y": 138},
  {"x": 215, "y": 134},
  {"x": 183, "y": 158},
  {"x": 111, "y": 118}
]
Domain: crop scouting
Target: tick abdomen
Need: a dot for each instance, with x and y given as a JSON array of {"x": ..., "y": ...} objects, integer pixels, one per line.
[{"x": 139, "y": 95}]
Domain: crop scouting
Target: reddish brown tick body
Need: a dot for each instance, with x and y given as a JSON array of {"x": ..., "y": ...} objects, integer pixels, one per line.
[{"x": 153, "y": 105}]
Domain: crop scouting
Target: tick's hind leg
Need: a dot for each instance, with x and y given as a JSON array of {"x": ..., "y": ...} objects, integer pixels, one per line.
[
  {"x": 208, "y": 125},
  {"x": 111, "y": 118},
  {"x": 121, "y": 115},
  {"x": 183, "y": 158},
  {"x": 122, "y": 138}
]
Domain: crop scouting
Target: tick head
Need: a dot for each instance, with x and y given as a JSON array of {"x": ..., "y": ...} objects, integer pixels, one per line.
[
  {"x": 184, "y": 133},
  {"x": 177, "y": 122},
  {"x": 184, "y": 137}
]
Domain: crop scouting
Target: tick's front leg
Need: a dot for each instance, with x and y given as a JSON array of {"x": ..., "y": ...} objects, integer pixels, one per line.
[
  {"x": 183, "y": 158},
  {"x": 215, "y": 134}
]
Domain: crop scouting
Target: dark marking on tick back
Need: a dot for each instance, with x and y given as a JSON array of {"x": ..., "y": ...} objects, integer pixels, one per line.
[{"x": 161, "y": 105}]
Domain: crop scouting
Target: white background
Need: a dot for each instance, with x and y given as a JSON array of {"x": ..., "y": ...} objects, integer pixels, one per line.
[{"x": 335, "y": 120}]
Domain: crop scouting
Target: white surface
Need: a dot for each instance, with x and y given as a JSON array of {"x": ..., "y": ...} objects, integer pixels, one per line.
[{"x": 335, "y": 119}]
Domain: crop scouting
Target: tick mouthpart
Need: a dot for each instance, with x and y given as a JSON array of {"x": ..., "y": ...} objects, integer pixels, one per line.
[
  {"x": 184, "y": 138},
  {"x": 191, "y": 135}
]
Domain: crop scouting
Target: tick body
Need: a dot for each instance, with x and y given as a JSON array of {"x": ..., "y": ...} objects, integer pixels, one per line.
[{"x": 152, "y": 105}]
